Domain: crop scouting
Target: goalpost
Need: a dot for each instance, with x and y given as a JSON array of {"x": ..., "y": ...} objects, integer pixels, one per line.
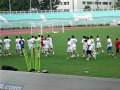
[{"x": 46, "y": 27}]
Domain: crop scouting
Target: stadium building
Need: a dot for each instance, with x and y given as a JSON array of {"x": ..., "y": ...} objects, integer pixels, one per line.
[{"x": 75, "y": 5}]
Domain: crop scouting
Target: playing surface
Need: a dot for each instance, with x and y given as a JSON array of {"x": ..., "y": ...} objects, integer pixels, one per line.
[{"x": 104, "y": 66}]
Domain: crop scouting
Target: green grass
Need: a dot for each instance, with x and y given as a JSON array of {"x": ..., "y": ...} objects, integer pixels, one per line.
[{"x": 104, "y": 66}]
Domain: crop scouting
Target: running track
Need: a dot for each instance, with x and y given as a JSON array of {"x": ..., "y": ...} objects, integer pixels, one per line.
[{"x": 11, "y": 32}]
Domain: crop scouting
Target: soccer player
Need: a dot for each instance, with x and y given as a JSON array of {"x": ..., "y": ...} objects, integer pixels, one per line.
[
  {"x": 17, "y": 44},
  {"x": 117, "y": 46},
  {"x": 32, "y": 44},
  {"x": 29, "y": 43},
  {"x": 90, "y": 47},
  {"x": 7, "y": 42},
  {"x": 84, "y": 45},
  {"x": 109, "y": 46},
  {"x": 98, "y": 45},
  {"x": 73, "y": 41},
  {"x": 49, "y": 39},
  {"x": 46, "y": 47},
  {"x": 39, "y": 38},
  {"x": 93, "y": 44},
  {"x": 21, "y": 42},
  {"x": 42, "y": 43},
  {"x": 0, "y": 47},
  {"x": 69, "y": 49}
]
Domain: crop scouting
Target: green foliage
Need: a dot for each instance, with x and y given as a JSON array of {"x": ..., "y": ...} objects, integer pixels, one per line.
[
  {"x": 24, "y": 5},
  {"x": 87, "y": 7},
  {"x": 117, "y": 4},
  {"x": 45, "y": 4}
]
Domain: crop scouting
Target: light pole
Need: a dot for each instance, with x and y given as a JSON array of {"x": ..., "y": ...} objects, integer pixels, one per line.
[
  {"x": 10, "y": 6},
  {"x": 97, "y": 2},
  {"x": 50, "y": 5},
  {"x": 30, "y": 6},
  {"x": 73, "y": 5}
]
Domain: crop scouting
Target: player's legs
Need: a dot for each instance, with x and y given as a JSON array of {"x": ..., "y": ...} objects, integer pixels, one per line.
[
  {"x": 75, "y": 52},
  {"x": 117, "y": 52},
  {"x": 46, "y": 51},
  {"x": 7, "y": 50}
]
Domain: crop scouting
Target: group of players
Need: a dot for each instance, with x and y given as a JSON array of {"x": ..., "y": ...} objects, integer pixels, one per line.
[
  {"x": 39, "y": 42},
  {"x": 91, "y": 47}
]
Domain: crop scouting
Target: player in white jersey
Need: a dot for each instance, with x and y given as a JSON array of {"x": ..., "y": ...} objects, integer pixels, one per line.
[
  {"x": 98, "y": 44},
  {"x": 39, "y": 38},
  {"x": 69, "y": 49},
  {"x": 46, "y": 47},
  {"x": 0, "y": 47},
  {"x": 32, "y": 42},
  {"x": 73, "y": 41},
  {"x": 90, "y": 49},
  {"x": 109, "y": 46},
  {"x": 84, "y": 45},
  {"x": 93, "y": 44},
  {"x": 49, "y": 39},
  {"x": 17, "y": 44},
  {"x": 29, "y": 42},
  {"x": 7, "y": 42}
]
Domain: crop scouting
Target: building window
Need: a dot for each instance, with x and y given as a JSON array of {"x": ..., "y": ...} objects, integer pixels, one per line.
[
  {"x": 99, "y": 3},
  {"x": 105, "y": 3},
  {"x": 110, "y": 3},
  {"x": 60, "y": 3},
  {"x": 84, "y": 2},
  {"x": 66, "y": 10},
  {"x": 66, "y": 3},
  {"x": 89, "y": 2}
]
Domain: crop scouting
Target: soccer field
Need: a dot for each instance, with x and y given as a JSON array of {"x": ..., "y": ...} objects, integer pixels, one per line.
[{"x": 104, "y": 66}]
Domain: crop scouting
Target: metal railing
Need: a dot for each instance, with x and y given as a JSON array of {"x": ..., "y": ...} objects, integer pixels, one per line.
[{"x": 56, "y": 11}]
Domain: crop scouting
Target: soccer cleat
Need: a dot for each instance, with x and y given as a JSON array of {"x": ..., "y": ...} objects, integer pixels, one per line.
[
  {"x": 112, "y": 54},
  {"x": 53, "y": 53},
  {"x": 87, "y": 59},
  {"x": 73, "y": 56},
  {"x": 77, "y": 55},
  {"x": 9, "y": 54},
  {"x": 83, "y": 56},
  {"x": 102, "y": 51},
  {"x": 97, "y": 52}
]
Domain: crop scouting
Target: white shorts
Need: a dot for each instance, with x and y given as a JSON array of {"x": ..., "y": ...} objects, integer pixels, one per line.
[
  {"x": 73, "y": 48},
  {"x": 7, "y": 47},
  {"x": 98, "y": 45},
  {"x": 30, "y": 47},
  {"x": 84, "y": 48},
  {"x": 45, "y": 49},
  {"x": 93, "y": 47},
  {"x": 18, "y": 46},
  {"x": 51, "y": 46},
  {"x": 69, "y": 49}
]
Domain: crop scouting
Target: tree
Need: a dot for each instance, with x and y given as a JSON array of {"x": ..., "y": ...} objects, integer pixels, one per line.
[
  {"x": 4, "y": 5},
  {"x": 88, "y": 7},
  {"x": 45, "y": 4},
  {"x": 18, "y": 5},
  {"x": 117, "y": 4}
]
